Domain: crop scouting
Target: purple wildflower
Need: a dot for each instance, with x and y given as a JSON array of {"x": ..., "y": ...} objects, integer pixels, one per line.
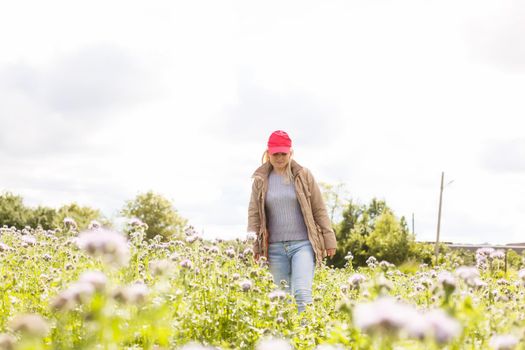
[
  {"x": 382, "y": 315},
  {"x": 443, "y": 327},
  {"x": 230, "y": 252},
  {"x": 371, "y": 262},
  {"x": 277, "y": 294},
  {"x": 273, "y": 344},
  {"x": 94, "y": 225},
  {"x": 503, "y": 342},
  {"x": 96, "y": 278},
  {"x": 448, "y": 281},
  {"x": 186, "y": 263},
  {"x": 133, "y": 294},
  {"x": 356, "y": 279},
  {"x": 190, "y": 231},
  {"x": 109, "y": 245},
  {"x": 468, "y": 274},
  {"x": 159, "y": 267},
  {"x": 30, "y": 324},
  {"x": 246, "y": 285},
  {"x": 7, "y": 341},
  {"x": 70, "y": 223},
  {"x": 4, "y": 247},
  {"x": 29, "y": 239},
  {"x": 497, "y": 254}
]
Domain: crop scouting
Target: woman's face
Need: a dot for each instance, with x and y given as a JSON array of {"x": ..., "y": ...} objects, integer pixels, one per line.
[{"x": 280, "y": 160}]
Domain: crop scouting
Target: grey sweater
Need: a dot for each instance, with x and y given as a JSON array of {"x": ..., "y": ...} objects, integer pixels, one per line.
[{"x": 285, "y": 219}]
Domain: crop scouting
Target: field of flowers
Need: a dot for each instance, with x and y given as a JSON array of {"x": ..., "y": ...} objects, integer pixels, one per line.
[{"x": 100, "y": 289}]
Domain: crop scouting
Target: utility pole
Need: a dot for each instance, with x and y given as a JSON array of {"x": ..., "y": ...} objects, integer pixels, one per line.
[
  {"x": 413, "y": 231},
  {"x": 439, "y": 215}
]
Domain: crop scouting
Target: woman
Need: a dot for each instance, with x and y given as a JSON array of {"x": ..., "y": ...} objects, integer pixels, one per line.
[{"x": 288, "y": 215}]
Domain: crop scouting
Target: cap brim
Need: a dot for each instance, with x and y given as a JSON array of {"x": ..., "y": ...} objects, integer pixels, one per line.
[{"x": 279, "y": 149}]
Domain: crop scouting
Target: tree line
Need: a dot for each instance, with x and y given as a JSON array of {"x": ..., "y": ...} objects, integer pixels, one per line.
[
  {"x": 362, "y": 230},
  {"x": 152, "y": 209},
  {"x": 371, "y": 229}
]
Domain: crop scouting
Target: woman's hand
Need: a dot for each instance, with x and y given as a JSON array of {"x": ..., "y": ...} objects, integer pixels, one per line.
[{"x": 330, "y": 252}]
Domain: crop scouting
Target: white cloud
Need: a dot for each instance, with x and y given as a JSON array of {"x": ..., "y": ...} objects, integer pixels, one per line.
[
  {"x": 55, "y": 107},
  {"x": 505, "y": 155},
  {"x": 181, "y": 97},
  {"x": 495, "y": 32}
]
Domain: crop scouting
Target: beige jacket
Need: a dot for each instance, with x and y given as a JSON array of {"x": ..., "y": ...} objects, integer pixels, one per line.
[{"x": 320, "y": 232}]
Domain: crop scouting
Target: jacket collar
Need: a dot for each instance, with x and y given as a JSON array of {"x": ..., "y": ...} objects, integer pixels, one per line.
[{"x": 264, "y": 170}]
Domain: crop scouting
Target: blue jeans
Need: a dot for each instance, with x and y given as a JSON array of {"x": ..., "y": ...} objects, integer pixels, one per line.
[{"x": 293, "y": 262}]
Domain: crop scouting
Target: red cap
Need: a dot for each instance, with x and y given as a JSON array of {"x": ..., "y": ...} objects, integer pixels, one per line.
[{"x": 279, "y": 141}]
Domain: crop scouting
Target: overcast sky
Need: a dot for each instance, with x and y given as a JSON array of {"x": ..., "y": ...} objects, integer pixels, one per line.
[{"x": 102, "y": 100}]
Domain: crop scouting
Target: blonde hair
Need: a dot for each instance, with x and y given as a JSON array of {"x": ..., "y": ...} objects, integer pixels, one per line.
[{"x": 289, "y": 176}]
